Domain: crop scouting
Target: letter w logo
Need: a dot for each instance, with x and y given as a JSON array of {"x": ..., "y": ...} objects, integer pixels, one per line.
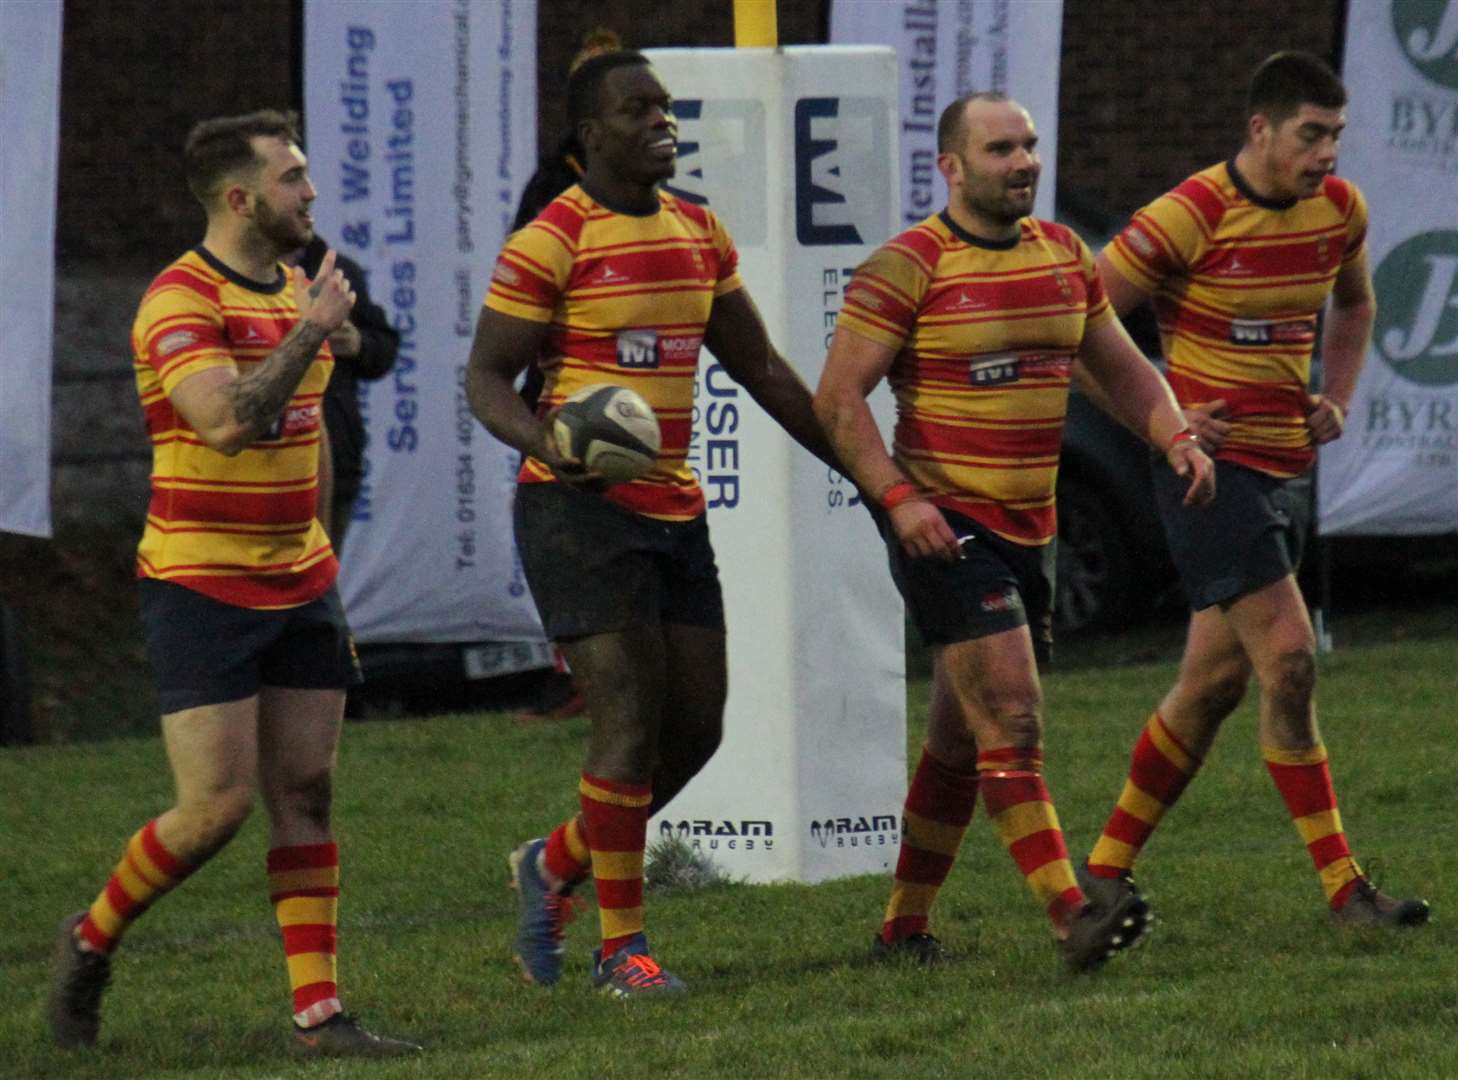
[{"x": 821, "y": 209}]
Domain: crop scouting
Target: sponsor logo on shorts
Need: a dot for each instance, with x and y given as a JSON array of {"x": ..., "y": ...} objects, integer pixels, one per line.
[
  {"x": 873, "y": 830},
  {"x": 638, "y": 349},
  {"x": 1007, "y": 600}
]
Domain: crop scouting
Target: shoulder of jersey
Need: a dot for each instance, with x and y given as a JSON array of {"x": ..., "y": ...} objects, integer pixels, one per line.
[
  {"x": 188, "y": 272},
  {"x": 1054, "y": 231},
  {"x": 1208, "y": 192},
  {"x": 699, "y": 215},
  {"x": 1340, "y": 191}
]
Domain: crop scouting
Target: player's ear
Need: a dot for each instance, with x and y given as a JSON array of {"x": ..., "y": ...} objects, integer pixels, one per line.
[
  {"x": 587, "y": 134},
  {"x": 235, "y": 197},
  {"x": 1256, "y": 127},
  {"x": 950, "y": 166}
]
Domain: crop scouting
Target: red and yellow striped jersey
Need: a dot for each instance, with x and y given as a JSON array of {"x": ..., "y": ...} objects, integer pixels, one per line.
[
  {"x": 628, "y": 297},
  {"x": 1238, "y": 282},
  {"x": 987, "y": 335},
  {"x": 243, "y": 529}
]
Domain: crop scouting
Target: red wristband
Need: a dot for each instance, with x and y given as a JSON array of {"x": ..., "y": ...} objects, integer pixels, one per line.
[
  {"x": 1184, "y": 436},
  {"x": 898, "y": 493}
]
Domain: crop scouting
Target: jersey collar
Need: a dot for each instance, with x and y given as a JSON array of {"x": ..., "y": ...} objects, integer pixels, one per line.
[
  {"x": 1243, "y": 186},
  {"x": 978, "y": 241}
]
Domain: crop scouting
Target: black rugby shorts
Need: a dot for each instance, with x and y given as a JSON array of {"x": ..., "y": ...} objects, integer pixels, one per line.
[
  {"x": 996, "y": 586},
  {"x": 594, "y": 567},
  {"x": 206, "y": 652},
  {"x": 1251, "y": 536}
]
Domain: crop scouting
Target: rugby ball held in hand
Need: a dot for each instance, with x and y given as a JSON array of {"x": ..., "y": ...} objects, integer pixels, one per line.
[{"x": 609, "y": 429}]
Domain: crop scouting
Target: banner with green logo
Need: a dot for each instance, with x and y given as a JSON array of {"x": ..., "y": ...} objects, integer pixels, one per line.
[{"x": 1395, "y": 471}]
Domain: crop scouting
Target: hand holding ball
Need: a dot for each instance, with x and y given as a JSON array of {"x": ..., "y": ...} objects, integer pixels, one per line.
[{"x": 610, "y": 430}]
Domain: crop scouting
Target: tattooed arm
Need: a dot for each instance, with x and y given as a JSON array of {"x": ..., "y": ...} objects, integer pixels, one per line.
[{"x": 231, "y": 412}]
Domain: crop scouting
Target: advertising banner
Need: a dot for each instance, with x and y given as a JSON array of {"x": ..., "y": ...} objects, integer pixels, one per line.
[
  {"x": 947, "y": 48},
  {"x": 1395, "y": 470},
  {"x": 421, "y": 127},
  {"x": 795, "y": 150},
  {"x": 30, "y": 90}
]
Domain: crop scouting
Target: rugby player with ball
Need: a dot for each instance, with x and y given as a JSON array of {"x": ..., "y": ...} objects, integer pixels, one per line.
[{"x": 613, "y": 289}]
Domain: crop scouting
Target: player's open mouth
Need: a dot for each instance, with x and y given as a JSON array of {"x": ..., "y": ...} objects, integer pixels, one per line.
[{"x": 664, "y": 149}]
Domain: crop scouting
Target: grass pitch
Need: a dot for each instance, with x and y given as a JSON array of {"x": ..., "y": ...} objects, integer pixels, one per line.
[{"x": 1242, "y": 977}]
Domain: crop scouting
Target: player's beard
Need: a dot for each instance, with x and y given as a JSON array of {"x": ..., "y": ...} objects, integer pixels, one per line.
[
  {"x": 284, "y": 232},
  {"x": 999, "y": 208}
]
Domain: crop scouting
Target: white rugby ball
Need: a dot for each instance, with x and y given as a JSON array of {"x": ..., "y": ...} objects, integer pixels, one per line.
[{"x": 609, "y": 429}]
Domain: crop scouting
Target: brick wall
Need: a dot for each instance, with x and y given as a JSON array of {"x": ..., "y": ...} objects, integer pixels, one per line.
[{"x": 1151, "y": 90}]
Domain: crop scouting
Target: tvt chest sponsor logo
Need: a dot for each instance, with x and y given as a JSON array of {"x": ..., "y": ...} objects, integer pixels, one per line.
[
  {"x": 860, "y": 831},
  {"x": 706, "y": 834},
  {"x": 1272, "y": 332},
  {"x": 638, "y": 349},
  {"x": 842, "y": 178},
  {"x": 1417, "y": 308}
]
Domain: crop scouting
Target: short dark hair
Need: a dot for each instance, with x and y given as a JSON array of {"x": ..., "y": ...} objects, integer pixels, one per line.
[
  {"x": 221, "y": 146},
  {"x": 584, "y": 85},
  {"x": 952, "y": 127},
  {"x": 1285, "y": 81}
]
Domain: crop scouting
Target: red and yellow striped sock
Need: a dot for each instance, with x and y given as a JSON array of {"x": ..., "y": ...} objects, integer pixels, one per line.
[
  {"x": 566, "y": 858},
  {"x": 939, "y": 805},
  {"x": 1304, "y": 780},
  {"x": 303, "y": 883},
  {"x": 616, "y": 816},
  {"x": 145, "y": 872},
  {"x": 1018, "y": 802},
  {"x": 1159, "y": 771}
]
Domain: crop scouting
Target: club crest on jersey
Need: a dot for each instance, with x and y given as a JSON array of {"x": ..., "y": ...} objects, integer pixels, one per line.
[
  {"x": 1323, "y": 251},
  {"x": 1065, "y": 289},
  {"x": 638, "y": 349}
]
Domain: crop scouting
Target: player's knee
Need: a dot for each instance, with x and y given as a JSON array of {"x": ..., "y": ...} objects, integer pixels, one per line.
[
  {"x": 212, "y": 821},
  {"x": 313, "y": 796},
  {"x": 1015, "y": 716},
  {"x": 1292, "y": 678},
  {"x": 1219, "y": 695}
]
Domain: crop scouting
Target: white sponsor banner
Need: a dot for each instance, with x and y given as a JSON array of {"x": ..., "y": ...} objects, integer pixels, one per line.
[
  {"x": 421, "y": 128},
  {"x": 1395, "y": 470},
  {"x": 795, "y": 149},
  {"x": 953, "y": 47},
  {"x": 30, "y": 78}
]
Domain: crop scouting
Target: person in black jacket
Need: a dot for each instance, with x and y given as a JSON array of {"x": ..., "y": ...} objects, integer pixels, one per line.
[{"x": 364, "y": 348}]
